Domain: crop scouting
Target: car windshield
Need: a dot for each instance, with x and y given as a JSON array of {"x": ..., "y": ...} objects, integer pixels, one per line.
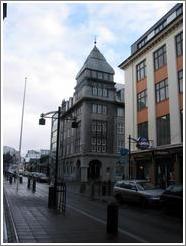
[{"x": 145, "y": 186}]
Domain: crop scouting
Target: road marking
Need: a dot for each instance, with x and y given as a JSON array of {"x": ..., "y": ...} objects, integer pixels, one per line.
[{"x": 141, "y": 240}]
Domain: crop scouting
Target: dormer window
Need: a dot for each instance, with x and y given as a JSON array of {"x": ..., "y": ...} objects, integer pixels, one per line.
[
  {"x": 179, "y": 11},
  {"x": 142, "y": 43},
  {"x": 160, "y": 27}
]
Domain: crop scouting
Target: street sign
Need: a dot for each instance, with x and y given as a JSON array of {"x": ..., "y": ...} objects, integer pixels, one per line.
[{"x": 123, "y": 160}]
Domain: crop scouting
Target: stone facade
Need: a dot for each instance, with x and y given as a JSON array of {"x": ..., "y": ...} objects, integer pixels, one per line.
[{"x": 91, "y": 150}]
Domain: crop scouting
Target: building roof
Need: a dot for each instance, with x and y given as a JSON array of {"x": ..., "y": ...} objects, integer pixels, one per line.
[
  {"x": 96, "y": 61},
  {"x": 173, "y": 17}
]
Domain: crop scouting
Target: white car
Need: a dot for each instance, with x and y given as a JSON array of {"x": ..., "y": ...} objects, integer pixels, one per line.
[{"x": 140, "y": 191}]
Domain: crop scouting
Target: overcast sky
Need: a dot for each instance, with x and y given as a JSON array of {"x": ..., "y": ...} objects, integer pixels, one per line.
[{"x": 48, "y": 42}]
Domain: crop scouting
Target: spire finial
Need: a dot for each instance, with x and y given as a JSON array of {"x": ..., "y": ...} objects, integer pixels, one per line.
[{"x": 95, "y": 40}]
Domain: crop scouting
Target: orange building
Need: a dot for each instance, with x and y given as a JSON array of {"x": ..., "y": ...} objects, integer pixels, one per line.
[{"x": 154, "y": 100}]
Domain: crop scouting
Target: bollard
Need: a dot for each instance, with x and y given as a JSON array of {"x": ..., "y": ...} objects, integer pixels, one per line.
[
  {"x": 92, "y": 194},
  {"x": 51, "y": 202},
  {"x": 109, "y": 188},
  {"x": 104, "y": 188},
  {"x": 10, "y": 179},
  {"x": 112, "y": 218},
  {"x": 28, "y": 184},
  {"x": 20, "y": 179},
  {"x": 34, "y": 185},
  {"x": 82, "y": 188}
]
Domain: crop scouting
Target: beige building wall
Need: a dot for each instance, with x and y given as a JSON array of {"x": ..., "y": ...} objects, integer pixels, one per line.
[{"x": 130, "y": 90}]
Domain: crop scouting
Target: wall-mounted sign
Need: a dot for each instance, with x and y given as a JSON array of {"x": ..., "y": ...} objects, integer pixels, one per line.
[{"x": 142, "y": 143}]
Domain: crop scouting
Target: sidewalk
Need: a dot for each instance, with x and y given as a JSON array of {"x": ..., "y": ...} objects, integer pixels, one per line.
[{"x": 35, "y": 223}]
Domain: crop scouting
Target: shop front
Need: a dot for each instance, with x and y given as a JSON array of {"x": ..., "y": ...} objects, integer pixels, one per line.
[{"x": 162, "y": 166}]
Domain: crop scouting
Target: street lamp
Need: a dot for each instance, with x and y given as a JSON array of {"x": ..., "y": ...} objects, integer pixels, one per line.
[{"x": 52, "y": 199}]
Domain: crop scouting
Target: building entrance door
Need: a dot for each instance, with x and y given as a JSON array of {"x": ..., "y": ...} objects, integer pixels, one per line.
[{"x": 94, "y": 170}]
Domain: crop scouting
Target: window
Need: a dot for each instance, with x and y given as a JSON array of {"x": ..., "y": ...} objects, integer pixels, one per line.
[
  {"x": 163, "y": 130},
  {"x": 141, "y": 70},
  {"x": 120, "y": 128},
  {"x": 105, "y": 92},
  {"x": 179, "y": 11},
  {"x": 142, "y": 100},
  {"x": 120, "y": 112},
  {"x": 160, "y": 27},
  {"x": 98, "y": 144},
  {"x": 160, "y": 58},
  {"x": 179, "y": 44},
  {"x": 99, "y": 109},
  {"x": 98, "y": 90},
  {"x": 142, "y": 43},
  {"x": 180, "y": 81},
  {"x": 162, "y": 90},
  {"x": 143, "y": 130},
  {"x": 104, "y": 109},
  {"x": 94, "y": 91},
  {"x": 99, "y": 126}
]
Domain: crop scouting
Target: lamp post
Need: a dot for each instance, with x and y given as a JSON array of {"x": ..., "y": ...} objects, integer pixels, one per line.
[
  {"x": 21, "y": 132},
  {"x": 52, "y": 199}
]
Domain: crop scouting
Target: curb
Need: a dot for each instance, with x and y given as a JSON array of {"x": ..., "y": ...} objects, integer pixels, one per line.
[{"x": 9, "y": 230}]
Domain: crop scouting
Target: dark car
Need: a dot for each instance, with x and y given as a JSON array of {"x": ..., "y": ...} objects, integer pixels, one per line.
[
  {"x": 172, "y": 199},
  {"x": 140, "y": 191}
]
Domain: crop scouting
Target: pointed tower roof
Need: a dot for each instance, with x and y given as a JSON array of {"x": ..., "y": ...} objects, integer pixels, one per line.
[{"x": 96, "y": 61}]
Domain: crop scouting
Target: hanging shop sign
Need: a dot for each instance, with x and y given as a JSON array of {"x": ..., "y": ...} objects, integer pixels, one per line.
[{"x": 142, "y": 143}]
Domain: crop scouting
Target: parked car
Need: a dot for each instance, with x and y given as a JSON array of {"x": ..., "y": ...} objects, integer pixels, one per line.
[
  {"x": 172, "y": 199},
  {"x": 43, "y": 178},
  {"x": 139, "y": 191}
]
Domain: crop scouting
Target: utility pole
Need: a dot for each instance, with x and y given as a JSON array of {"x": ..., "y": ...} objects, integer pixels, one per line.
[
  {"x": 20, "y": 139},
  {"x": 129, "y": 153}
]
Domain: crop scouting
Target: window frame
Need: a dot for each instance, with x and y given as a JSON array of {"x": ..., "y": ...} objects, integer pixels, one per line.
[
  {"x": 142, "y": 132},
  {"x": 160, "y": 57},
  {"x": 142, "y": 95},
  {"x": 180, "y": 80},
  {"x": 162, "y": 87},
  {"x": 163, "y": 130},
  {"x": 141, "y": 70},
  {"x": 179, "y": 44}
]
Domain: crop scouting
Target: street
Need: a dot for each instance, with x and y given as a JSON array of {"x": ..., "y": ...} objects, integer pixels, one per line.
[
  {"x": 85, "y": 219},
  {"x": 143, "y": 224}
]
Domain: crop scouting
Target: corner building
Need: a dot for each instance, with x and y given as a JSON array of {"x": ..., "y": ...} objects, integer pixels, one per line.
[
  {"x": 154, "y": 100},
  {"x": 91, "y": 150}
]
